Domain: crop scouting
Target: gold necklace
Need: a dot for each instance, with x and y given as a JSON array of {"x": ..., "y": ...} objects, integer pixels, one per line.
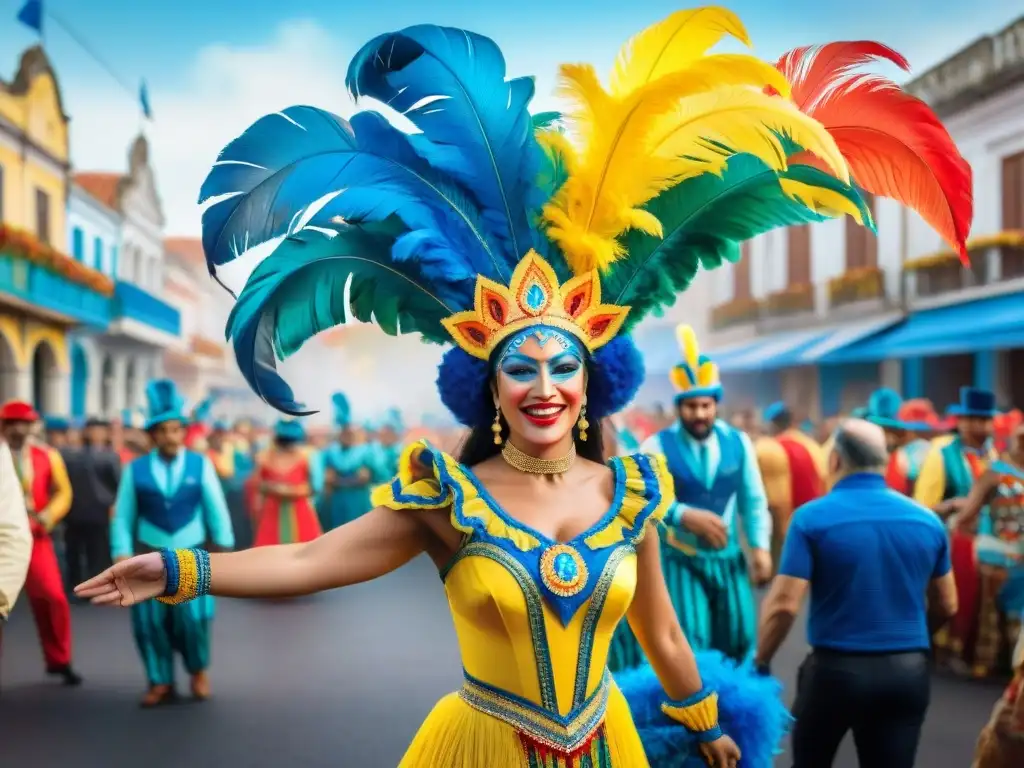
[{"x": 534, "y": 466}]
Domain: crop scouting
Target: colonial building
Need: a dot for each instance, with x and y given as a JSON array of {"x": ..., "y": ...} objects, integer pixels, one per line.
[
  {"x": 117, "y": 227},
  {"x": 823, "y": 314},
  {"x": 203, "y": 365},
  {"x": 43, "y": 292}
]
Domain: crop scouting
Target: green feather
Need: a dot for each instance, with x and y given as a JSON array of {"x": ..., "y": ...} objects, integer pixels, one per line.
[
  {"x": 543, "y": 120},
  {"x": 704, "y": 218}
]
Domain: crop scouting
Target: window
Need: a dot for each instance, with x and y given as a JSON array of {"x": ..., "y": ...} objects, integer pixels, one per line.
[
  {"x": 42, "y": 216},
  {"x": 861, "y": 243},
  {"x": 97, "y": 253},
  {"x": 78, "y": 244},
  {"x": 1013, "y": 211},
  {"x": 741, "y": 274},
  {"x": 798, "y": 255}
]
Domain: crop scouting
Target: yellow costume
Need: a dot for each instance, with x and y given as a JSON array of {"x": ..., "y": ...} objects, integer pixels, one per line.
[{"x": 534, "y": 620}]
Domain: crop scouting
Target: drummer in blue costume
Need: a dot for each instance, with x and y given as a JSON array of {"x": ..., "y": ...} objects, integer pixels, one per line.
[
  {"x": 718, "y": 489},
  {"x": 348, "y": 471},
  {"x": 170, "y": 498}
]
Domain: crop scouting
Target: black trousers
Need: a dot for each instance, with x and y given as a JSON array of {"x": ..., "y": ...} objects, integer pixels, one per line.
[
  {"x": 882, "y": 698},
  {"x": 87, "y": 549}
]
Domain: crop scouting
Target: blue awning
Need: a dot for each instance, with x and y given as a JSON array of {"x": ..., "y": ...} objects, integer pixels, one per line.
[
  {"x": 844, "y": 336},
  {"x": 660, "y": 349},
  {"x": 779, "y": 350},
  {"x": 993, "y": 323}
]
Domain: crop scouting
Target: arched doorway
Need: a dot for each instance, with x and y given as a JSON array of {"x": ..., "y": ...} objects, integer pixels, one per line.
[
  {"x": 45, "y": 379},
  {"x": 79, "y": 381},
  {"x": 130, "y": 384},
  {"x": 8, "y": 371},
  {"x": 107, "y": 386}
]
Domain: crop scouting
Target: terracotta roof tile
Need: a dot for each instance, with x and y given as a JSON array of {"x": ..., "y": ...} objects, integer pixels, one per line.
[
  {"x": 189, "y": 249},
  {"x": 103, "y": 186}
]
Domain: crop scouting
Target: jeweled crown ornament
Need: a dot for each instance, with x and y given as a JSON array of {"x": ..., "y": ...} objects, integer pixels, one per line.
[{"x": 534, "y": 297}]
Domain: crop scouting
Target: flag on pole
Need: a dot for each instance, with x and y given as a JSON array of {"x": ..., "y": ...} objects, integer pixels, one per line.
[
  {"x": 144, "y": 101},
  {"x": 31, "y": 15}
]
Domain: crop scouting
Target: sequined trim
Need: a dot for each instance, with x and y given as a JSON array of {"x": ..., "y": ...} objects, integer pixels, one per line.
[
  {"x": 534, "y": 610},
  {"x": 587, "y": 633},
  {"x": 564, "y": 734},
  {"x": 563, "y": 570}
]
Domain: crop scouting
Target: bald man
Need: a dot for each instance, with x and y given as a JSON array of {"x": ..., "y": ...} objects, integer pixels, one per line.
[{"x": 874, "y": 555}]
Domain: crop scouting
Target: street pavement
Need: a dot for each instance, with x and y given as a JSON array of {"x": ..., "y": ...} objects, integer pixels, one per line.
[{"x": 340, "y": 680}]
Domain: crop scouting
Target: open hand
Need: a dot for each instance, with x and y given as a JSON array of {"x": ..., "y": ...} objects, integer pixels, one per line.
[
  {"x": 127, "y": 582},
  {"x": 721, "y": 753},
  {"x": 707, "y": 525}
]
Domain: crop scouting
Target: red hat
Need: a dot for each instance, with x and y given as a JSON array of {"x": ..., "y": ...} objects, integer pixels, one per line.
[
  {"x": 18, "y": 410},
  {"x": 919, "y": 411}
]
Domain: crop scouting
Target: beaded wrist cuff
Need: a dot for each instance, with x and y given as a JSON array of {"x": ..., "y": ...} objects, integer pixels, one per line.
[
  {"x": 188, "y": 575},
  {"x": 698, "y": 714}
]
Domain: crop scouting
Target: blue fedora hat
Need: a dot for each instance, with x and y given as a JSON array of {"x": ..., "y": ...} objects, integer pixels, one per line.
[
  {"x": 974, "y": 402},
  {"x": 883, "y": 409}
]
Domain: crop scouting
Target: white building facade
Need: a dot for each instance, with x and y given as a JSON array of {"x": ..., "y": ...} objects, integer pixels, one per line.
[
  {"x": 822, "y": 315},
  {"x": 122, "y": 359}
]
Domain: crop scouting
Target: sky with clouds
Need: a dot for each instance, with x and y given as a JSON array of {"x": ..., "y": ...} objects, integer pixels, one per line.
[{"x": 214, "y": 66}]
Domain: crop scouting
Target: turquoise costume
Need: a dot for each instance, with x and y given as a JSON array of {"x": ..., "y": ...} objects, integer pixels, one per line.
[
  {"x": 710, "y": 588},
  {"x": 349, "y": 497},
  {"x": 174, "y": 504}
]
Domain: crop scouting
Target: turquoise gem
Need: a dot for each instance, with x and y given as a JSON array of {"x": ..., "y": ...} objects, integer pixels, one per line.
[
  {"x": 535, "y": 297},
  {"x": 565, "y": 567}
]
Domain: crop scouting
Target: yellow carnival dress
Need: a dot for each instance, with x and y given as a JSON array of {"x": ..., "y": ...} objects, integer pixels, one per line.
[{"x": 534, "y": 619}]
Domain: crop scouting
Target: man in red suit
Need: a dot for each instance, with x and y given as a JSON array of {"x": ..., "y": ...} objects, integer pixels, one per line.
[{"x": 44, "y": 480}]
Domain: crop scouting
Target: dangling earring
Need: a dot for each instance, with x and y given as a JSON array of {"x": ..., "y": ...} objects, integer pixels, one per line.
[
  {"x": 496, "y": 426},
  {"x": 583, "y": 424}
]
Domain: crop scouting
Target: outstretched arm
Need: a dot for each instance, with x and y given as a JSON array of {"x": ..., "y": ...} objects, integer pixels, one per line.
[{"x": 371, "y": 546}]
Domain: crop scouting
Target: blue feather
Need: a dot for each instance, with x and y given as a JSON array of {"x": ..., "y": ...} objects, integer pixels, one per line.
[
  {"x": 299, "y": 291},
  {"x": 285, "y": 162},
  {"x": 451, "y": 84},
  {"x": 202, "y": 411}
]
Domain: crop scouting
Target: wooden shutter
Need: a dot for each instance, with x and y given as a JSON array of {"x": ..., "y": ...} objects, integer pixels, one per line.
[
  {"x": 798, "y": 255},
  {"x": 1013, "y": 191},
  {"x": 741, "y": 274},
  {"x": 861, "y": 243},
  {"x": 43, "y": 216}
]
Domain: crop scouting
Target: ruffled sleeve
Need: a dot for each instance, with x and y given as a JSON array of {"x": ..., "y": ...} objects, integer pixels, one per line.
[
  {"x": 646, "y": 492},
  {"x": 431, "y": 479}
]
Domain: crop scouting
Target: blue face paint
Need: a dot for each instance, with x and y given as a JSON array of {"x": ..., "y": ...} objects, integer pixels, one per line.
[
  {"x": 543, "y": 334},
  {"x": 524, "y": 369}
]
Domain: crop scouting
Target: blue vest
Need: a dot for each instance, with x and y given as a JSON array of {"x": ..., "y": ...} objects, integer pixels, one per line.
[
  {"x": 168, "y": 513},
  {"x": 690, "y": 488}
]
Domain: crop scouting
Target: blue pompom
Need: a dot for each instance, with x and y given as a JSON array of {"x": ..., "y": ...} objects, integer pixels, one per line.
[
  {"x": 462, "y": 383},
  {"x": 750, "y": 710},
  {"x": 616, "y": 373}
]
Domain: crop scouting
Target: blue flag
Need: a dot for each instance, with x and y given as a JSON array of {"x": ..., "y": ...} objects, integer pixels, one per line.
[
  {"x": 144, "y": 101},
  {"x": 31, "y": 15}
]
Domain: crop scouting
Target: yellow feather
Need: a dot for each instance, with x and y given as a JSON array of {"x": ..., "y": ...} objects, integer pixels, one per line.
[
  {"x": 689, "y": 346},
  {"x": 707, "y": 376},
  {"x": 557, "y": 143},
  {"x": 744, "y": 120},
  {"x": 680, "y": 379},
  {"x": 823, "y": 201},
  {"x": 672, "y": 45}
]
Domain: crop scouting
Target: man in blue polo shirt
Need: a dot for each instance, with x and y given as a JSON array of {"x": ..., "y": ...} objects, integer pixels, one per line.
[{"x": 871, "y": 558}]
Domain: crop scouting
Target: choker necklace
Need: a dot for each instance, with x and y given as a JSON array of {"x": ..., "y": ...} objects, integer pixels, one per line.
[{"x": 516, "y": 459}]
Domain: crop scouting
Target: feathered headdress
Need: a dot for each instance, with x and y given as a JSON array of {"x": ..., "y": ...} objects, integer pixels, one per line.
[
  {"x": 489, "y": 221},
  {"x": 163, "y": 403},
  {"x": 290, "y": 429},
  {"x": 342, "y": 410},
  {"x": 203, "y": 410},
  {"x": 696, "y": 375}
]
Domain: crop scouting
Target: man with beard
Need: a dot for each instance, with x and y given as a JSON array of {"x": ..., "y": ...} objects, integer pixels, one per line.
[{"x": 718, "y": 490}]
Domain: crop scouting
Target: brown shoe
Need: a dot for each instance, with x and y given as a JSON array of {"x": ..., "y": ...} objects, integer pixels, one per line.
[
  {"x": 157, "y": 695},
  {"x": 200, "y": 686}
]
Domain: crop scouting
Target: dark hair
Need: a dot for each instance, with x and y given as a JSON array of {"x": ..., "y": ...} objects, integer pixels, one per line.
[
  {"x": 286, "y": 442},
  {"x": 783, "y": 419},
  {"x": 479, "y": 444},
  {"x": 96, "y": 421}
]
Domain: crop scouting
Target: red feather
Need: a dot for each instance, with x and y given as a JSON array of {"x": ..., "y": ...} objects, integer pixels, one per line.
[{"x": 894, "y": 143}]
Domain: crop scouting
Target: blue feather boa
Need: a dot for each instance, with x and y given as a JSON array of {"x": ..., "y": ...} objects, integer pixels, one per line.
[{"x": 750, "y": 707}]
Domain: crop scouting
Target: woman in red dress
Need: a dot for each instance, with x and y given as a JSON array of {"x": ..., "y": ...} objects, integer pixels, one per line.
[{"x": 284, "y": 511}]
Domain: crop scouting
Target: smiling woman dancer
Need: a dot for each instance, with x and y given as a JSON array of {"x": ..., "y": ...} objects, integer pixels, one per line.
[{"x": 535, "y": 256}]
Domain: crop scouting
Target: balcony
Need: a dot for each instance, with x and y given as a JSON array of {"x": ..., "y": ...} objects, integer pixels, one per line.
[
  {"x": 734, "y": 313},
  {"x": 133, "y": 303},
  {"x": 856, "y": 286},
  {"x": 794, "y": 300},
  {"x": 41, "y": 280},
  {"x": 997, "y": 265}
]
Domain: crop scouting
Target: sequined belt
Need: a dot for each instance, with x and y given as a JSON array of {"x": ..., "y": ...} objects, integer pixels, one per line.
[{"x": 564, "y": 734}]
